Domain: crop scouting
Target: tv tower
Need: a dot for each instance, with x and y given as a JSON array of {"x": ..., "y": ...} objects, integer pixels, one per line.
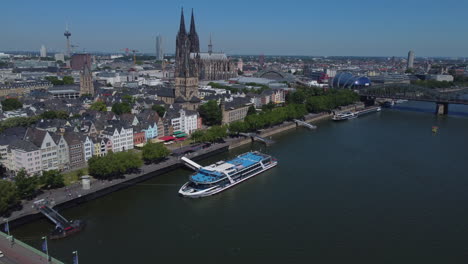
[{"x": 67, "y": 34}]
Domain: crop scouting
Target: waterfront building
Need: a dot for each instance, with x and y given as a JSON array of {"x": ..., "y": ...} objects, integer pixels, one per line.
[
  {"x": 183, "y": 120},
  {"x": 139, "y": 136},
  {"x": 22, "y": 88},
  {"x": 24, "y": 155},
  {"x": 76, "y": 153},
  {"x": 120, "y": 136},
  {"x": 43, "y": 140},
  {"x": 88, "y": 147},
  {"x": 63, "y": 155},
  {"x": 235, "y": 110},
  {"x": 410, "y": 64}
]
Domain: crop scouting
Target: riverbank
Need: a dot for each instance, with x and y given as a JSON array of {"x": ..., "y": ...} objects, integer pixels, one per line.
[{"x": 73, "y": 195}]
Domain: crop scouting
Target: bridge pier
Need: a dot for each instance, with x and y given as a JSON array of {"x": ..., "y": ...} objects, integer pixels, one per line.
[{"x": 441, "y": 108}]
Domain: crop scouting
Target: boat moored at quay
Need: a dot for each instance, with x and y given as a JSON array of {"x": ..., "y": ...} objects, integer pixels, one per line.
[{"x": 215, "y": 178}]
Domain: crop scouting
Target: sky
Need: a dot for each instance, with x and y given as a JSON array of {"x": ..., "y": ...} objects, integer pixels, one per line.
[{"x": 243, "y": 27}]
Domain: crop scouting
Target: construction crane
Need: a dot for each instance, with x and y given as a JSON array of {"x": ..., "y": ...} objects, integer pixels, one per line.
[
  {"x": 72, "y": 48},
  {"x": 127, "y": 50},
  {"x": 134, "y": 56}
]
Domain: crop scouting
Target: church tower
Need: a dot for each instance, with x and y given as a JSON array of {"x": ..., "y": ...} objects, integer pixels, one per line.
[
  {"x": 86, "y": 81},
  {"x": 186, "y": 75}
]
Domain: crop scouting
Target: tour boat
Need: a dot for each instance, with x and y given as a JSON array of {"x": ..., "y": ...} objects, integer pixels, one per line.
[
  {"x": 344, "y": 116},
  {"x": 215, "y": 178}
]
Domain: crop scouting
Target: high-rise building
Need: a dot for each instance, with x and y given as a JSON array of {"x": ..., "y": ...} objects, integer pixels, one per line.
[
  {"x": 43, "y": 51},
  {"x": 159, "y": 48},
  {"x": 86, "y": 81},
  {"x": 410, "y": 60}
]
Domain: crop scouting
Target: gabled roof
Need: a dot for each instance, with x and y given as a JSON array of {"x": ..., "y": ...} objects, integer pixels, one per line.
[{"x": 23, "y": 145}]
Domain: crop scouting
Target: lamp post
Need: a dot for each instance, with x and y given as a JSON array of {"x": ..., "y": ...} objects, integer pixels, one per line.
[
  {"x": 7, "y": 226},
  {"x": 45, "y": 247},
  {"x": 75, "y": 257}
]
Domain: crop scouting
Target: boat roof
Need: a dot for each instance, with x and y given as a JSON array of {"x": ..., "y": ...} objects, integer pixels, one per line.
[{"x": 216, "y": 172}]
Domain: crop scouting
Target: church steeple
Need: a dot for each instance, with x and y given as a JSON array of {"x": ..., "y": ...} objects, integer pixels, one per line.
[
  {"x": 193, "y": 36},
  {"x": 210, "y": 46}
]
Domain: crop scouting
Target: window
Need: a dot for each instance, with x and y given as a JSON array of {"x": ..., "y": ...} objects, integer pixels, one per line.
[{"x": 48, "y": 144}]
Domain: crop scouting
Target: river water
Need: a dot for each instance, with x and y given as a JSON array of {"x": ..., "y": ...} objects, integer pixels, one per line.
[{"x": 378, "y": 189}]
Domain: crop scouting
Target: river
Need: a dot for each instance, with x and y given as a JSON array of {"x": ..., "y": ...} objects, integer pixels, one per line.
[{"x": 378, "y": 189}]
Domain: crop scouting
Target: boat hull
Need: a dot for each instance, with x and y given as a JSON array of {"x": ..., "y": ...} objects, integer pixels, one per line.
[{"x": 217, "y": 189}]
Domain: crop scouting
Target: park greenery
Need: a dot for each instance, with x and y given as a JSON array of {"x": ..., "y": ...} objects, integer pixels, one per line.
[
  {"x": 8, "y": 196},
  {"x": 154, "y": 152},
  {"x": 28, "y": 121},
  {"x": 56, "y": 81},
  {"x": 432, "y": 84},
  {"x": 212, "y": 134},
  {"x": 319, "y": 100},
  {"x": 26, "y": 185},
  {"x": 99, "y": 106},
  {"x": 10, "y": 104},
  {"x": 121, "y": 108},
  {"x": 210, "y": 113},
  {"x": 52, "y": 179},
  {"x": 159, "y": 109},
  {"x": 114, "y": 165},
  {"x": 55, "y": 115}
]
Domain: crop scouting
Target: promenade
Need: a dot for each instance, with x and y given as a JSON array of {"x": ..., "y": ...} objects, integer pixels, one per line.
[{"x": 20, "y": 253}]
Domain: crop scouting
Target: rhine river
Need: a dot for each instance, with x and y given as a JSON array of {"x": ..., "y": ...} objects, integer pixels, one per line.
[{"x": 378, "y": 189}]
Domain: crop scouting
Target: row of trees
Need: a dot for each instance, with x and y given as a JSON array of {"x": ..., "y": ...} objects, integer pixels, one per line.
[
  {"x": 261, "y": 88},
  {"x": 212, "y": 134},
  {"x": 432, "y": 84},
  {"x": 319, "y": 100},
  {"x": 26, "y": 187},
  {"x": 269, "y": 118},
  {"x": 56, "y": 81},
  {"x": 114, "y": 165}
]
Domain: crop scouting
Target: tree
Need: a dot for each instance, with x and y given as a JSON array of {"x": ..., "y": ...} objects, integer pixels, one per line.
[
  {"x": 154, "y": 152},
  {"x": 8, "y": 195},
  {"x": 79, "y": 173},
  {"x": 159, "y": 109},
  {"x": 55, "y": 114},
  {"x": 99, "y": 106},
  {"x": 26, "y": 185},
  {"x": 52, "y": 179},
  {"x": 251, "y": 110},
  {"x": 210, "y": 113},
  {"x": 198, "y": 136},
  {"x": 121, "y": 108},
  {"x": 68, "y": 80},
  {"x": 113, "y": 165},
  {"x": 268, "y": 107},
  {"x": 238, "y": 127},
  {"x": 10, "y": 104}
]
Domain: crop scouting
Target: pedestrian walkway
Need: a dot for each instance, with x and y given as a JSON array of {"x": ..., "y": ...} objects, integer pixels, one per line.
[{"x": 18, "y": 252}]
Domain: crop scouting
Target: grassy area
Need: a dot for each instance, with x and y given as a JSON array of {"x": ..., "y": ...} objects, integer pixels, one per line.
[{"x": 72, "y": 176}]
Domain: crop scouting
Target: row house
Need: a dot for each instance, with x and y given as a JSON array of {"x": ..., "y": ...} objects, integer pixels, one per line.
[
  {"x": 44, "y": 141},
  {"x": 75, "y": 145},
  {"x": 63, "y": 156},
  {"x": 120, "y": 136},
  {"x": 88, "y": 147},
  {"x": 183, "y": 120},
  {"x": 273, "y": 96},
  {"x": 139, "y": 136}
]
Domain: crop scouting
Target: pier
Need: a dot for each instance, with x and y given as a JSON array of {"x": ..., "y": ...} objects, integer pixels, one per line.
[
  {"x": 304, "y": 124},
  {"x": 256, "y": 137}
]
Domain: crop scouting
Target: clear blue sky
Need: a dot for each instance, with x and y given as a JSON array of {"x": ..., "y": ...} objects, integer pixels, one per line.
[{"x": 292, "y": 27}]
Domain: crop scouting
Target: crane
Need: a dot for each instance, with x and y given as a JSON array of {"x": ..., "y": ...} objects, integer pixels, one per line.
[
  {"x": 134, "y": 56},
  {"x": 72, "y": 47},
  {"x": 127, "y": 50}
]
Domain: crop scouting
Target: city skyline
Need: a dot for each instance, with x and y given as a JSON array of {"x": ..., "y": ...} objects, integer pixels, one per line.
[{"x": 317, "y": 29}]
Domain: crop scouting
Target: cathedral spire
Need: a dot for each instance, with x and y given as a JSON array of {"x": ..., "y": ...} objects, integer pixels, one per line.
[
  {"x": 182, "y": 22},
  {"x": 193, "y": 36}
]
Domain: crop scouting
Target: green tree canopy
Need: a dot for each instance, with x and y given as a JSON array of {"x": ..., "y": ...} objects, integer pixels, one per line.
[
  {"x": 68, "y": 80},
  {"x": 210, "y": 113},
  {"x": 8, "y": 195},
  {"x": 52, "y": 179},
  {"x": 26, "y": 185},
  {"x": 121, "y": 108},
  {"x": 213, "y": 134},
  {"x": 159, "y": 109},
  {"x": 55, "y": 114},
  {"x": 99, "y": 106},
  {"x": 154, "y": 152},
  {"x": 251, "y": 110},
  {"x": 10, "y": 104},
  {"x": 113, "y": 165}
]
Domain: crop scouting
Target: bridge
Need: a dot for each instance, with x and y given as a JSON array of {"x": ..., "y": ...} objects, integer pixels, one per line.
[
  {"x": 256, "y": 137},
  {"x": 442, "y": 97},
  {"x": 52, "y": 215},
  {"x": 304, "y": 124}
]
